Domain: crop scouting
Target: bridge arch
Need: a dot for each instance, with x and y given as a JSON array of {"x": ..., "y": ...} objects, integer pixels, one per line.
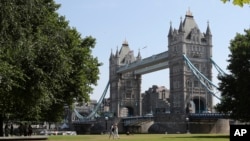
[
  {"x": 127, "y": 111},
  {"x": 200, "y": 104}
]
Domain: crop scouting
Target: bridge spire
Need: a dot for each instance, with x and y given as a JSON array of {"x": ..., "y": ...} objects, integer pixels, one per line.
[
  {"x": 111, "y": 54},
  {"x": 117, "y": 52},
  {"x": 125, "y": 43},
  {"x": 170, "y": 33},
  {"x": 208, "y": 32},
  {"x": 181, "y": 29},
  {"x": 189, "y": 13},
  {"x": 139, "y": 55}
]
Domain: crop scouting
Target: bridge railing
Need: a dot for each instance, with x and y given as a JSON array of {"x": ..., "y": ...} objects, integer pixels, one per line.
[{"x": 207, "y": 115}]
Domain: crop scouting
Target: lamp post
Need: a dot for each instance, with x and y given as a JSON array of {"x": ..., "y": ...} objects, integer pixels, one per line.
[
  {"x": 187, "y": 126},
  {"x": 106, "y": 119}
]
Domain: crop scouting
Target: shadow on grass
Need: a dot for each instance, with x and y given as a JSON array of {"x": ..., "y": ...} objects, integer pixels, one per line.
[{"x": 199, "y": 136}]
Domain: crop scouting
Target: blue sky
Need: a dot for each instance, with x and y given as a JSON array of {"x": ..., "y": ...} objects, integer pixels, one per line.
[{"x": 145, "y": 23}]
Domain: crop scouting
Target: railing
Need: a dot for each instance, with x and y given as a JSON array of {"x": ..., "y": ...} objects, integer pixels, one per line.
[{"x": 208, "y": 116}]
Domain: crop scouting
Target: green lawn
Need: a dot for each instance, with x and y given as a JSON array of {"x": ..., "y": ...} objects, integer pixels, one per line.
[{"x": 145, "y": 137}]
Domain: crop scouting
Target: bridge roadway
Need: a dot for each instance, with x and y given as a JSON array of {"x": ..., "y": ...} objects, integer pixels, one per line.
[{"x": 147, "y": 65}]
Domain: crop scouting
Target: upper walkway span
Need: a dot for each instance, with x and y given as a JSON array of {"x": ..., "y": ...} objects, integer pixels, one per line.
[{"x": 147, "y": 65}]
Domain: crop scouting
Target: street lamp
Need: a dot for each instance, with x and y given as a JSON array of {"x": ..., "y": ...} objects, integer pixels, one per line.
[
  {"x": 187, "y": 122},
  {"x": 106, "y": 119}
]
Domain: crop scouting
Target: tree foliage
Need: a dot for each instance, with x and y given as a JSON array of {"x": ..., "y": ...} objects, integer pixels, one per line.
[
  {"x": 240, "y": 3},
  {"x": 44, "y": 63},
  {"x": 235, "y": 87}
]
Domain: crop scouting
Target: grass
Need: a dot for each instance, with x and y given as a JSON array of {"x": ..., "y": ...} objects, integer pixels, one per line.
[{"x": 145, "y": 137}]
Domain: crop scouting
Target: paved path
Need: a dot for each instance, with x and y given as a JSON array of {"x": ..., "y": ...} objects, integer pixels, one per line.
[{"x": 23, "y": 138}]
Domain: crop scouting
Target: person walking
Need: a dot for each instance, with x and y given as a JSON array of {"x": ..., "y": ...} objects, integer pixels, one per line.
[
  {"x": 11, "y": 130},
  {"x": 6, "y": 130},
  {"x": 20, "y": 129},
  {"x": 116, "y": 134},
  {"x": 30, "y": 130},
  {"x": 111, "y": 132}
]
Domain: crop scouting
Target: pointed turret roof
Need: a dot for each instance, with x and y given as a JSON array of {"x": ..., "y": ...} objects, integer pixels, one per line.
[
  {"x": 111, "y": 54},
  {"x": 124, "y": 49},
  {"x": 170, "y": 33},
  {"x": 208, "y": 32},
  {"x": 139, "y": 55},
  {"x": 181, "y": 26},
  {"x": 117, "y": 52},
  {"x": 189, "y": 23}
]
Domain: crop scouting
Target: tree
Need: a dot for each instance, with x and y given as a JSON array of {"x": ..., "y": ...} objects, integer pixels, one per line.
[
  {"x": 240, "y": 3},
  {"x": 235, "y": 87},
  {"x": 44, "y": 63}
]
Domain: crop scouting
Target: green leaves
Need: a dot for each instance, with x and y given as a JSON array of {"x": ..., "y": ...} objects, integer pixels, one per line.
[
  {"x": 44, "y": 63},
  {"x": 240, "y": 3},
  {"x": 236, "y": 86}
]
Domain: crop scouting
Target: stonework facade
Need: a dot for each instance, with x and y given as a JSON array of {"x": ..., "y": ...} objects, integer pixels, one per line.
[
  {"x": 125, "y": 97},
  {"x": 155, "y": 100},
  {"x": 186, "y": 93}
]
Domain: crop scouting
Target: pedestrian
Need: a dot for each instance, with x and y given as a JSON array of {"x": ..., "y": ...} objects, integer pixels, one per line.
[
  {"x": 20, "y": 129},
  {"x": 25, "y": 129},
  {"x": 11, "y": 129},
  {"x": 6, "y": 130},
  {"x": 30, "y": 130},
  {"x": 116, "y": 134},
  {"x": 111, "y": 132}
]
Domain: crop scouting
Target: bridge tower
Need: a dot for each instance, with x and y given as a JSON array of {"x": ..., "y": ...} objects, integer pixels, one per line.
[
  {"x": 187, "y": 95},
  {"x": 125, "y": 97}
]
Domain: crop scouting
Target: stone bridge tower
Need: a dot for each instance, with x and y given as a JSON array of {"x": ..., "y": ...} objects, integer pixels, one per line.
[
  {"x": 187, "y": 95},
  {"x": 125, "y": 89}
]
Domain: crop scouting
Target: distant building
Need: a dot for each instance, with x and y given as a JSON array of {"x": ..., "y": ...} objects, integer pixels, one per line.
[{"x": 155, "y": 100}]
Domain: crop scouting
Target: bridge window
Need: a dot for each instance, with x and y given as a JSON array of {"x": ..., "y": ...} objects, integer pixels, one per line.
[
  {"x": 177, "y": 100},
  {"x": 128, "y": 95},
  {"x": 204, "y": 69},
  {"x": 175, "y": 49},
  {"x": 128, "y": 83},
  {"x": 195, "y": 48},
  {"x": 196, "y": 83},
  {"x": 163, "y": 94},
  {"x": 176, "y": 84},
  {"x": 189, "y": 84},
  {"x": 201, "y": 49}
]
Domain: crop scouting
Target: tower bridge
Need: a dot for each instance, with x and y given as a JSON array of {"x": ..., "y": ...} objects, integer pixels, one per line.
[
  {"x": 126, "y": 71},
  {"x": 188, "y": 58}
]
